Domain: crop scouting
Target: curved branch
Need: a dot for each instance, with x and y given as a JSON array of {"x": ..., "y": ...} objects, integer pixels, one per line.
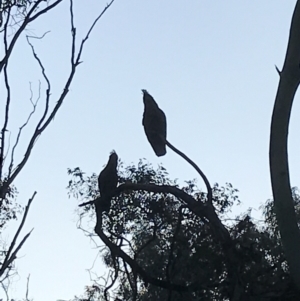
[
  {"x": 200, "y": 172},
  {"x": 205, "y": 211},
  {"x": 278, "y": 154}
]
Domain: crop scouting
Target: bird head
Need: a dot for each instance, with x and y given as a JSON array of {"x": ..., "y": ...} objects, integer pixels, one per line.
[
  {"x": 148, "y": 99},
  {"x": 113, "y": 157}
]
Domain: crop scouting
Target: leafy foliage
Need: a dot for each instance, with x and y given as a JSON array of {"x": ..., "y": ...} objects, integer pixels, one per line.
[{"x": 174, "y": 245}]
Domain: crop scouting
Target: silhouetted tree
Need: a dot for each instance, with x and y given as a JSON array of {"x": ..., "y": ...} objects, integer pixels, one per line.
[
  {"x": 171, "y": 245},
  {"x": 278, "y": 155}
]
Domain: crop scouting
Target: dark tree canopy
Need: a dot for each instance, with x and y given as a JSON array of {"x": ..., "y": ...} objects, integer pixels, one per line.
[
  {"x": 155, "y": 124},
  {"x": 172, "y": 244}
]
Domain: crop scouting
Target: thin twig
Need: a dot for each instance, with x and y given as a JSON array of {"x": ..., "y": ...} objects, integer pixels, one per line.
[
  {"x": 4, "y": 287},
  {"x": 22, "y": 127},
  {"x": 90, "y": 30},
  {"x": 27, "y": 288},
  {"x": 48, "y": 90}
]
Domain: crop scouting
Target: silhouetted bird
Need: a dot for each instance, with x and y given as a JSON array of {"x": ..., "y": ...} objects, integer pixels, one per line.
[
  {"x": 155, "y": 124},
  {"x": 107, "y": 182}
]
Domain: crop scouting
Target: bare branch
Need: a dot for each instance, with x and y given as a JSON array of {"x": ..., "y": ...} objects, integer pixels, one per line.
[
  {"x": 27, "y": 288},
  {"x": 73, "y": 32},
  {"x": 43, "y": 11},
  {"x": 28, "y": 18},
  {"x": 11, "y": 256},
  {"x": 90, "y": 30},
  {"x": 26, "y": 21},
  {"x": 48, "y": 90},
  {"x": 34, "y": 104},
  {"x": 41, "y": 127},
  {"x": 5, "y": 290},
  {"x": 4, "y": 128},
  {"x": 278, "y": 154},
  {"x": 40, "y": 37}
]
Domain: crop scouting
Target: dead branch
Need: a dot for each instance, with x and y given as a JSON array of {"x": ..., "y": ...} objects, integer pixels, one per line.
[
  {"x": 44, "y": 122},
  {"x": 278, "y": 154},
  {"x": 48, "y": 90}
]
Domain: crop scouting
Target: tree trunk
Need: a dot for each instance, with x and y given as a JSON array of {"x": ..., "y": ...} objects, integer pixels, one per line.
[{"x": 283, "y": 201}]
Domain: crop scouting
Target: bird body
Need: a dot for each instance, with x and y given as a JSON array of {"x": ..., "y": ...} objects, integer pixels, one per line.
[
  {"x": 108, "y": 181},
  {"x": 155, "y": 124}
]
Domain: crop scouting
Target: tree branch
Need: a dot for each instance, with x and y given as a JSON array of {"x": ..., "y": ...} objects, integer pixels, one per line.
[
  {"x": 34, "y": 104},
  {"x": 7, "y": 86},
  {"x": 41, "y": 127},
  {"x": 11, "y": 256},
  {"x": 203, "y": 210},
  {"x": 278, "y": 154},
  {"x": 26, "y": 21},
  {"x": 203, "y": 176}
]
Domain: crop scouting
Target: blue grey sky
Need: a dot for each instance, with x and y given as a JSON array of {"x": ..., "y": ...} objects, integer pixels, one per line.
[{"x": 210, "y": 65}]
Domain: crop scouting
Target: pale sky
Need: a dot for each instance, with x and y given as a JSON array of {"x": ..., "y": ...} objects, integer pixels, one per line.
[{"x": 210, "y": 65}]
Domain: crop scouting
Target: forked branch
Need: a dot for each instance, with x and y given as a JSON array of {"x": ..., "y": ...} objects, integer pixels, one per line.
[
  {"x": 47, "y": 118},
  {"x": 12, "y": 253}
]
